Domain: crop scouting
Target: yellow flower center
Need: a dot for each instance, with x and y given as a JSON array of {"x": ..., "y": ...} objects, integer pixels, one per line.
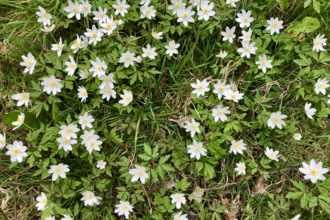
[
  {"x": 200, "y": 87},
  {"x": 101, "y": 15},
  {"x": 263, "y": 63},
  {"x": 148, "y": 11},
  {"x": 74, "y": 9},
  {"x": 275, "y": 25},
  {"x": 171, "y": 47},
  {"x": 52, "y": 84},
  {"x": 230, "y": 34},
  {"x": 124, "y": 207},
  {"x": 85, "y": 120},
  {"x": 90, "y": 197},
  {"x": 45, "y": 16},
  {"x": 43, "y": 201},
  {"x": 120, "y": 7},
  {"x": 277, "y": 119},
  {"x": 58, "y": 170},
  {"x": 128, "y": 58},
  {"x": 92, "y": 144},
  {"x": 222, "y": 55},
  {"x": 22, "y": 96},
  {"x": 247, "y": 35},
  {"x": 83, "y": 93},
  {"x": 321, "y": 85},
  {"x": 185, "y": 15},
  {"x": 206, "y": 10},
  {"x": 76, "y": 43},
  {"x": 241, "y": 168},
  {"x": 314, "y": 171},
  {"x": 58, "y": 46},
  {"x": 318, "y": 43},
  {"x": 108, "y": 26},
  {"x": 49, "y": 28},
  {"x": 139, "y": 173},
  {"x": 115, "y": 21},
  {"x": 197, "y": 149},
  {"x": 99, "y": 67},
  {"x": 271, "y": 155},
  {"x": 29, "y": 62},
  {"x": 15, "y": 151},
  {"x": 66, "y": 141},
  {"x": 85, "y": 7},
  {"x": 192, "y": 127},
  {"x": 220, "y": 112},
  {"x": 2, "y": 141},
  {"x": 84, "y": 74},
  {"x": 93, "y": 34},
  {"x": 127, "y": 98},
  {"x": 245, "y": 19},
  {"x": 108, "y": 91},
  {"x": 19, "y": 120},
  {"x": 222, "y": 89},
  {"x": 247, "y": 49},
  {"x": 236, "y": 146},
  {"x": 149, "y": 53},
  {"x": 233, "y": 95},
  {"x": 177, "y": 5},
  {"x": 101, "y": 164},
  {"x": 71, "y": 66},
  {"x": 68, "y": 130}
]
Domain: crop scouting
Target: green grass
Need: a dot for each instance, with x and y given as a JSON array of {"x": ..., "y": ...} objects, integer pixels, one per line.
[{"x": 157, "y": 101}]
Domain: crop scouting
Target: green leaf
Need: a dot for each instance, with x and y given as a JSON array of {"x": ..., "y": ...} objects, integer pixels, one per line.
[
  {"x": 29, "y": 121},
  {"x": 294, "y": 195},
  {"x": 316, "y": 6},
  {"x": 307, "y": 3},
  {"x": 312, "y": 202},
  {"x": 305, "y": 199},
  {"x": 325, "y": 206},
  {"x": 147, "y": 149},
  {"x": 144, "y": 157},
  {"x": 325, "y": 198}
]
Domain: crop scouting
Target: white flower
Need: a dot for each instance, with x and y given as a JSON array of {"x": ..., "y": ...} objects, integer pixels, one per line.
[
  {"x": 149, "y": 52},
  {"x": 100, "y": 15},
  {"x": 297, "y": 136},
  {"x": 197, "y": 3},
  {"x": 138, "y": 59},
  {"x": 220, "y": 113},
  {"x": 58, "y": 170},
  {"x": 124, "y": 208},
  {"x": 42, "y": 202},
  {"x": 16, "y": 151},
  {"x": 84, "y": 42},
  {"x": 313, "y": 171},
  {"x": 237, "y": 147},
  {"x": 2, "y": 140},
  {"x": 90, "y": 199},
  {"x": 84, "y": 74},
  {"x": 66, "y": 217},
  {"x": 118, "y": 22},
  {"x": 85, "y": 7},
  {"x": 241, "y": 168},
  {"x": 73, "y": 9},
  {"x": 231, "y": 95},
  {"x": 127, "y": 58},
  {"x": 178, "y": 199},
  {"x": 51, "y": 85},
  {"x": 196, "y": 150},
  {"x": 29, "y": 62},
  {"x": 69, "y": 131},
  {"x": 247, "y": 49},
  {"x": 171, "y": 48},
  {"x": 48, "y": 29},
  {"x": 65, "y": 143},
  {"x": 108, "y": 26},
  {"x": 232, "y": 2},
  {"x": 76, "y": 45},
  {"x": 222, "y": 54},
  {"x": 319, "y": 42},
  {"x": 244, "y": 19},
  {"x": 321, "y": 85},
  {"x": 107, "y": 91},
  {"x": 263, "y": 63},
  {"x": 127, "y": 98},
  {"x": 274, "y": 25},
  {"x": 145, "y": 2},
  {"x": 22, "y": 98},
  {"x": 86, "y": 120},
  {"x": 138, "y": 172},
  {"x": 50, "y": 218},
  {"x": 309, "y": 111},
  {"x": 107, "y": 80},
  {"x": 221, "y": 88},
  {"x": 184, "y": 15},
  {"x": 206, "y": 11},
  {"x": 229, "y": 34},
  {"x": 98, "y": 68},
  {"x": 192, "y": 126},
  {"x": 101, "y": 164},
  {"x": 273, "y": 155},
  {"x": 180, "y": 217},
  {"x": 121, "y": 7},
  {"x": 19, "y": 121},
  {"x": 87, "y": 135},
  {"x": 147, "y": 12},
  {"x": 233, "y": 85},
  {"x": 71, "y": 66},
  {"x": 58, "y": 47},
  {"x": 200, "y": 87},
  {"x": 176, "y": 6},
  {"x": 94, "y": 34},
  {"x": 157, "y": 35},
  {"x": 93, "y": 144},
  {"x": 276, "y": 120},
  {"x": 246, "y": 35},
  {"x": 296, "y": 217},
  {"x": 44, "y": 17}
]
